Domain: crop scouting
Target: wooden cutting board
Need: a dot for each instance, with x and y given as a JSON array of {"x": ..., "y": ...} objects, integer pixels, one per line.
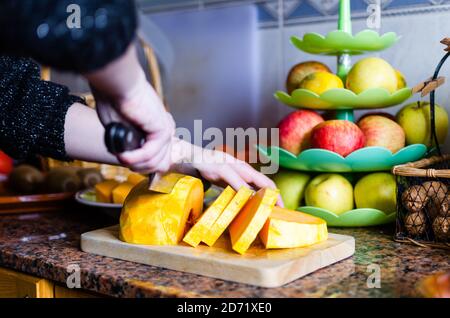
[{"x": 260, "y": 267}]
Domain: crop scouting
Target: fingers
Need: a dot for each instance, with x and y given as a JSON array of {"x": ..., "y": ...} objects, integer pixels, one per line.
[
  {"x": 258, "y": 179},
  {"x": 159, "y": 163},
  {"x": 149, "y": 150},
  {"x": 280, "y": 202},
  {"x": 156, "y": 164},
  {"x": 234, "y": 179},
  {"x": 254, "y": 177}
]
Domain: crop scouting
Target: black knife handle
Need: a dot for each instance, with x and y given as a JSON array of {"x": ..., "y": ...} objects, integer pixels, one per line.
[{"x": 120, "y": 138}]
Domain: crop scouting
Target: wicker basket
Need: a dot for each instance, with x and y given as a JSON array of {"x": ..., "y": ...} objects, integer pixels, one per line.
[
  {"x": 109, "y": 171},
  {"x": 423, "y": 200}
]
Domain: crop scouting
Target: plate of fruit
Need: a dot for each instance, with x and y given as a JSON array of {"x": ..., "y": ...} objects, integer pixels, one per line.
[
  {"x": 371, "y": 83},
  {"x": 28, "y": 189},
  {"x": 376, "y": 142},
  {"x": 340, "y": 200},
  {"x": 109, "y": 195}
]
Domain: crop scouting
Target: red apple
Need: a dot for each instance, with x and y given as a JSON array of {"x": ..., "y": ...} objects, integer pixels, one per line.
[
  {"x": 384, "y": 114},
  {"x": 340, "y": 136},
  {"x": 295, "y": 130},
  {"x": 6, "y": 163},
  {"x": 383, "y": 132}
]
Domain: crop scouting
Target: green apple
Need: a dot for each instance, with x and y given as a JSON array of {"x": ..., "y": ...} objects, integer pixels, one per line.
[
  {"x": 330, "y": 191},
  {"x": 371, "y": 72},
  {"x": 415, "y": 121},
  {"x": 292, "y": 185},
  {"x": 377, "y": 191}
]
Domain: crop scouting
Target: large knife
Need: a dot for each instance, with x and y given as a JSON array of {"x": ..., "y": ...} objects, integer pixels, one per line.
[{"x": 121, "y": 136}]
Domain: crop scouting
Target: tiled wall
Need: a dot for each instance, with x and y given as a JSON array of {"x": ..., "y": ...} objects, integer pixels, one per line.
[
  {"x": 295, "y": 11},
  {"x": 307, "y": 11}
]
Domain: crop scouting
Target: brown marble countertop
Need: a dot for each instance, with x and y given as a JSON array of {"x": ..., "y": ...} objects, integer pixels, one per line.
[{"x": 44, "y": 244}]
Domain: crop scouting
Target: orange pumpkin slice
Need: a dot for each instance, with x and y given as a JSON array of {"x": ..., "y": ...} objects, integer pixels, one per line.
[
  {"x": 227, "y": 216},
  {"x": 103, "y": 190},
  {"x": 119, "y": 193},
  {"x": 287, "y": 229},
  {"x": 135, "y": 178},
  {"x": 248, "y": 223},
  {"x": 201, "y": 228}
]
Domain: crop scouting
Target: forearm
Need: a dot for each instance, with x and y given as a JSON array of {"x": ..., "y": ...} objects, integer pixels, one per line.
[
  {"x": 83, "y": 136},
  {"x": 118, "y": 79}
]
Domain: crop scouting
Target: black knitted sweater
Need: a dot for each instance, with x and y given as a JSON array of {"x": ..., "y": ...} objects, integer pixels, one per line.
[{"x": 32, "y": 111}]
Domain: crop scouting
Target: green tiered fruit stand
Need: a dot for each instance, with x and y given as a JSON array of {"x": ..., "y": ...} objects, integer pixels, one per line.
[{"x": 343, "y": 44}]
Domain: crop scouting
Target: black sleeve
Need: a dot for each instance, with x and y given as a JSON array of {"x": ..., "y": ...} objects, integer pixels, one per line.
[
  {"x": 32, "y": 111},
  {"x": 47, "y": 31}
]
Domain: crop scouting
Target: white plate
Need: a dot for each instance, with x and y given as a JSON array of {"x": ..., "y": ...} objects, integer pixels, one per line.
[{"x": 87, "y": 197}]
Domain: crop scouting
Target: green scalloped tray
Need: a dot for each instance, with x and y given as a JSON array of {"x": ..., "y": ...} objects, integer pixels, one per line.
[
  {"x": 341, "y": 42},
  {"x": 341, "y": 98},
  {"x": 362, "y": 160},
  {"x": 353, "y": 218}
]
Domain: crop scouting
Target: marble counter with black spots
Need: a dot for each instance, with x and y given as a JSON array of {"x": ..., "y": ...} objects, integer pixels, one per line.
[{"x": 45, "y": 244}]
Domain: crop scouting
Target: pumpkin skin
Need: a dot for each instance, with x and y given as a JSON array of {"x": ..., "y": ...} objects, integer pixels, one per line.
[{"x": 153, "y": 218}]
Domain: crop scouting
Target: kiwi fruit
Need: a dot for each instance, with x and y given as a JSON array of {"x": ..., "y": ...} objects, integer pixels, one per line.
[
  {"x": 415, "y": 223},
  {"x": 89, "y": 177},
  {"x": 436, "y": 190},
  {"x": 444, "y": 207},
  {"x": 436, "y": 209},
  {"x": 441, "y": 228},
  {"x": 415, "y": 198},
  {"x": 63, "y": 179},
  {"x": 26, "y": 179}
]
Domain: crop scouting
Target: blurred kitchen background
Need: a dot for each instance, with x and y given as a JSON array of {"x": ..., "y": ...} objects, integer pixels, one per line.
[{"x": 222, "y": 60}]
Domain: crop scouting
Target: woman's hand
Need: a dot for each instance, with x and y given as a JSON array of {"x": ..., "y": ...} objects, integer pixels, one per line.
[
  {"x": 221, "y": 168},
  {"x": 145, "y": 110},
  {"x": 122, "y": 85}
]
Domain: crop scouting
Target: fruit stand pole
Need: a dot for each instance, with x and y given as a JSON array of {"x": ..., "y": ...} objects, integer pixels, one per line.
[{"x": 344, "y": 60}]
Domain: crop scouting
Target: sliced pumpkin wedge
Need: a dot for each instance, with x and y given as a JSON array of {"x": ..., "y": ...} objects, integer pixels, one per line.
[
  {"x": 103, "y": 190},
  {"x": 119, "y": 193},
  {"x": 161, "y": 219},
  {"x": 135, "y": 178},
  {"x": 227, "y": 216},
  {"x": 288, "y": 229},
  {"x": 251, "y": 219},
  {"x": 201, "y": 228}
]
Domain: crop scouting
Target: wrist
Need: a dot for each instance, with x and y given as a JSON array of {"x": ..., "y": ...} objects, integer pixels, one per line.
[{"x": 185, "y": 152}]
